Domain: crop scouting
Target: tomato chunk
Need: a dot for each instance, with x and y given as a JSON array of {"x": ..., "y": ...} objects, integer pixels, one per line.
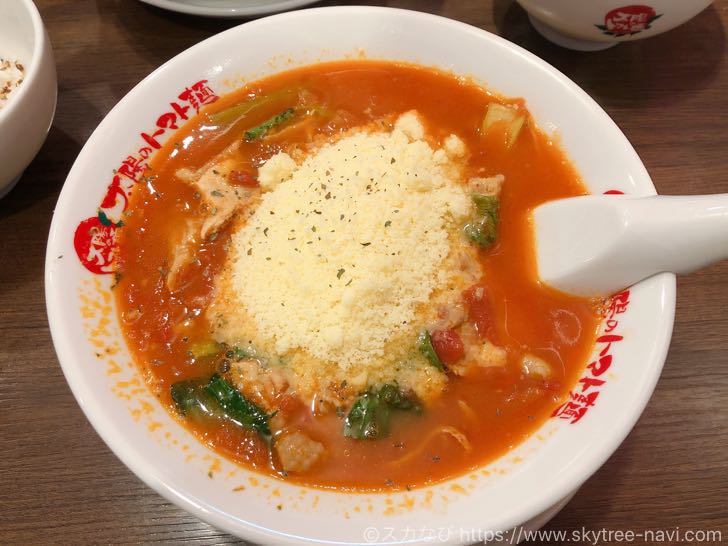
[
  {"x": 448, "y": 346},
  {"x": 479, "y": 312},
  {"x": 243, "y": 178}
]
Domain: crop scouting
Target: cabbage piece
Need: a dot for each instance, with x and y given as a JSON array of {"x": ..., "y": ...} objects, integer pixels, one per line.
[{"x": 498, "y": 115}]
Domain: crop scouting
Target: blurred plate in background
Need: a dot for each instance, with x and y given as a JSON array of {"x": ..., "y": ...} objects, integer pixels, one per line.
[{"x": 228, "y": 8}]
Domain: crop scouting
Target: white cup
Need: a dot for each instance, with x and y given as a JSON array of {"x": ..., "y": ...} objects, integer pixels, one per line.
[{"x": 593, "y": 25}]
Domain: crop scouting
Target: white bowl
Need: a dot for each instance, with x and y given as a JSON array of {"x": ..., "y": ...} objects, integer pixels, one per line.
[
  {"x": 599, "y": 24},
  {"x": 27, "y": 116},
  {"x": 529, "y": 484}
]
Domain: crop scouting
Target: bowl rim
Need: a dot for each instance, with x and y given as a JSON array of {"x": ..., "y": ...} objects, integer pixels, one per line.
[
  {"x": 33, "y": 68},
  {"x": 568, "y": 480}
]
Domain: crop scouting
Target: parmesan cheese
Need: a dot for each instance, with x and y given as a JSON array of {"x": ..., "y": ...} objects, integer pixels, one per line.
[
  {"x": 278, "y": 168},
  {"x": 342, "y": 254},
  {"x": 410, "y": 125},
  {"x": 453, "y": 146}
]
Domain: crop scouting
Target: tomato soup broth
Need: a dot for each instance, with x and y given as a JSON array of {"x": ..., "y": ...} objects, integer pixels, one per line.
[{"x": 479, "y": 415}]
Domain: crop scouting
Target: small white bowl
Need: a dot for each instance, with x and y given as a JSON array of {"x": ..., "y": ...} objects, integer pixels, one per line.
[
  {"x": 598, "y": 24},
  {"x": 528, "y": 485},
  {"x": 28, "y": 114}
]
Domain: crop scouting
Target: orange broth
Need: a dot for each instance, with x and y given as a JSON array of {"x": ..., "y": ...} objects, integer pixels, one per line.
[{"x": 507, "y": 407}]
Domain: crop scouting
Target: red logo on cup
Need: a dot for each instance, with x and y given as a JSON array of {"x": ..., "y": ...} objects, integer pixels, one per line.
[
  {"x": 95, "y": 241},
  {"x": 628, "y": 20}
]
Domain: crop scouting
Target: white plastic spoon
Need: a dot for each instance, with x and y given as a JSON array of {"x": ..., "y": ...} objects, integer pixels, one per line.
[{"x": 597, "y": 245}]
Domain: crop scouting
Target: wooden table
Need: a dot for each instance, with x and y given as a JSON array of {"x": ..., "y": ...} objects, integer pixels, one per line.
[{"x": 669, "y": 94}]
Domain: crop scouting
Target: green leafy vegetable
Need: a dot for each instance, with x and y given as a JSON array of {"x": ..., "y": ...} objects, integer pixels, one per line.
[
  {"x": 234, "y": 113},
  {"x": 424, "y": 345},
  {"x": 370, "y": 415},
  {"x": 397, "y": 399},
  {"x": 242, "y": 353},
  {"x": 201, "y": 349},
  {"x": 216, "y": 399},
  {"x": 486, "y": 205},
  {"x": 483, "y": 230},
  {"x": 238, "y": 408},
  {"x": 193, "y": 401},
  {"x": 258, "y": 132}
]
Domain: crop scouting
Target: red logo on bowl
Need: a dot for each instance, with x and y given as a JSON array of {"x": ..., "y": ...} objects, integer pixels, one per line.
[
  {"x": 584, "y": 395},
  {"x": 95, "y": 237},
  {"x": 94, "y": 243},
  {"x": 628, "y": 20}
]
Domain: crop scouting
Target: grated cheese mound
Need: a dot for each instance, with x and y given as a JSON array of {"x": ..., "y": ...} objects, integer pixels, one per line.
[{"x": 342, "y": 250}]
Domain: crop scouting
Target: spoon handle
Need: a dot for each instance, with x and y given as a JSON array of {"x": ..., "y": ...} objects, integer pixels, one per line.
[
  {"x": 598, "y": 244},
  {"x": 677, "y": 233}
]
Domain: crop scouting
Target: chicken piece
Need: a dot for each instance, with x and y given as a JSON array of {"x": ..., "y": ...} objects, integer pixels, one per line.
[
  {"x": 487, "y": 186},
  {"x": 535, "y": 367},
  {"x": 221, "y": 198},
  {"x": 450, "y": 315},
  {"x": 261, "y": 383},
  {"x": 211, "y": 181},
  {"x": 480, "y": 355},
  {"x": 297, "y": 452},
  {"x": 182, "y": 253},
  {"x": 491, "y": 355},
  {"x": 469, "y": 265},
  {"x": 277, "y": 422}
]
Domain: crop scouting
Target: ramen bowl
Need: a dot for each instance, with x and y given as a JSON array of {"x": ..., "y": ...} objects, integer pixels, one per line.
[
  {"x": 599, "y": 24},
  {"x": 526, "y": 486}
]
